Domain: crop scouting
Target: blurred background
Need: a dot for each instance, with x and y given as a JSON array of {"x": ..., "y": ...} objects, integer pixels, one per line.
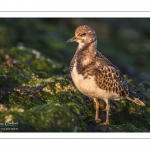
[{"x": 125, "y": 41}]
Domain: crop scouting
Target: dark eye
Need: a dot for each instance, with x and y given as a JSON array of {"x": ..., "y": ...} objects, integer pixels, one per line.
[{"x": 84, "y": 34}]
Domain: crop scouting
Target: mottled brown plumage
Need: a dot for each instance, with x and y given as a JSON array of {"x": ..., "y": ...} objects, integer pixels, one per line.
[{"x": 94, "y": 75}]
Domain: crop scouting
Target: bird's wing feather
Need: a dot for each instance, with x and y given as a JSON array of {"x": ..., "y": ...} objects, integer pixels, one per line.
[{"x": 108, "y": 76}]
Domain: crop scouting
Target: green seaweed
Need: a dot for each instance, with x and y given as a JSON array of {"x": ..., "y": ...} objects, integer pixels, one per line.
[{"x": 51, "y": 117}]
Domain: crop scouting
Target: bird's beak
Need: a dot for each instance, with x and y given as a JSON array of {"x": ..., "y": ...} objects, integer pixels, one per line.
[{"x": 73, "y": 39}]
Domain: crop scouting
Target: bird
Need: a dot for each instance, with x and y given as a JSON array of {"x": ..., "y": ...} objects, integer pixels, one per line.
[{"x": 95, "y": 76}]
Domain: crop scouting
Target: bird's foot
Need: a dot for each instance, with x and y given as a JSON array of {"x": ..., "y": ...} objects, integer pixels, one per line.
[
  {"x": 98, "y": 120},
  {"x": 105, "y": 123},
  {"x": 95, "y": 121}
]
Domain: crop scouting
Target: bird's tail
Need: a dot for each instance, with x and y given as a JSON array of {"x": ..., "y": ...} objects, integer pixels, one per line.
[{"x": 135, "y": 97}]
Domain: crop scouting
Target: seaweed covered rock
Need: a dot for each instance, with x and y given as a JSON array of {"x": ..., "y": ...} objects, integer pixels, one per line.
[
  {"x": 32, "y": 58},
  {"x": 54, "y": 104},
  {"x": 40, "y": 104},
  {"x": 51, "y": 117},
  {"x": 128, "y": 127}
]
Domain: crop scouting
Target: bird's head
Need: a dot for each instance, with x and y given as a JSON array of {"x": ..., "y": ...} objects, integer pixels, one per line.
[{"x": 84, "y": 35}]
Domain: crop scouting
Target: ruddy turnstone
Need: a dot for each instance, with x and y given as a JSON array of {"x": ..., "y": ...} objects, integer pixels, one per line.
[{"x": 94, "y": 75}]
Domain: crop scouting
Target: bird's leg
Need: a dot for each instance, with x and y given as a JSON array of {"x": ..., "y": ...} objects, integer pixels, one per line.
[
  {"x": 107, "y": 113},
  {"x": 97, "y": 110}
]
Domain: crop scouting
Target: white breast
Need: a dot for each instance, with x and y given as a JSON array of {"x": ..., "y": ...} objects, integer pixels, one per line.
[{"x": 89, "y": 87}]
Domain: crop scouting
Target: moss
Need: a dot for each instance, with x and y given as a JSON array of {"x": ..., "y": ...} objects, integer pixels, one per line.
[
  {"x": 60, "y": 108},
  {"x": 51, "y": 117},
  {"x": 129, "y": 128},
  {"x": 32, "y": 58},
  {"x": 32, "y": 107},
  {"x": 145, "y": 88}
]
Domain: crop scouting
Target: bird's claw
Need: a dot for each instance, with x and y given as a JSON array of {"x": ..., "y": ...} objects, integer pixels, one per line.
[
  {"x": 98, "y": 121},
  {"x": 104, "y": 123}
]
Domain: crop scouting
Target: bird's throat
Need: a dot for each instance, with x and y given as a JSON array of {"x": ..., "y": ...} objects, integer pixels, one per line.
[{"x": 91, "y": 46}]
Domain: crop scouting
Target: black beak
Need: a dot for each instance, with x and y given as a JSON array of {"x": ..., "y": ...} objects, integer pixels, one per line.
[{"x": 72, "y": 39}]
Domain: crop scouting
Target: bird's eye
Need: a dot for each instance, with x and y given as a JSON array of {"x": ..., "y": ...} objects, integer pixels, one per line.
[{"x": 84, "y": 34}]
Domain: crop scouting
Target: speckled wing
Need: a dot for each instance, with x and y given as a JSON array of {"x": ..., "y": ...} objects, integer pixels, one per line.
[{"x": 108, "y": 76}]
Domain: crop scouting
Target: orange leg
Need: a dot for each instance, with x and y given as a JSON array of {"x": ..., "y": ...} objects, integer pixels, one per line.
[
  {"x": 107, "y": 113},
  {"x": 97, "y": 109}
]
